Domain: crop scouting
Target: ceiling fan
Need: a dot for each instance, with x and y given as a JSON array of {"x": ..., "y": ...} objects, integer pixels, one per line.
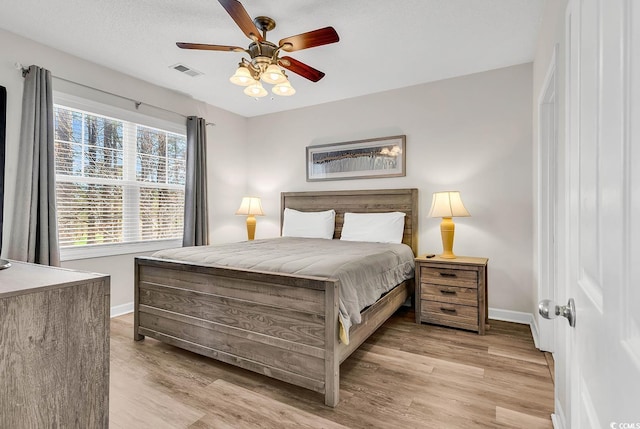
[{"x": 265, "y": 61}]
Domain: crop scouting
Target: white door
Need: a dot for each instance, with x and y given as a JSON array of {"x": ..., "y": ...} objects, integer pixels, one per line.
[
  {"x": 603, "y": 241},
  {"x": 548, "y": 203}
]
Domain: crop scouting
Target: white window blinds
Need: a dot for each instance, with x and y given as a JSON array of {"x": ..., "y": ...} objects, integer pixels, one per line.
[{"x": 116, "y": 181}]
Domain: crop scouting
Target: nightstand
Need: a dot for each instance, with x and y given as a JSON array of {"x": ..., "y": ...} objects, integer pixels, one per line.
[{"x": 452, "y": 292}]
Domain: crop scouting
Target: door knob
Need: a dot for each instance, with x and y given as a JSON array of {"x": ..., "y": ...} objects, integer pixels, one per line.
[{"x": 549, "y": 310}]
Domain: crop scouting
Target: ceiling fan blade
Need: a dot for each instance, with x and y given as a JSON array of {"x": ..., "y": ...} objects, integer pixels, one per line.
[
  {"x": 302, "y": 69},
  {"x": 311, "y": 39},
  {"x": 206, "y": 47},
  {"x": 242, "y": 18}
]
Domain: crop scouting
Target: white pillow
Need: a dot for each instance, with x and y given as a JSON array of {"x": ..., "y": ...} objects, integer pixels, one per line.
[
  {"x": 308, "y": 224},
  {"x": 375, "y": 227}
]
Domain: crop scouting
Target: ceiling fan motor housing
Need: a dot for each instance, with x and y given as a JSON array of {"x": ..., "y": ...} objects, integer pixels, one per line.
[
  {"x": 262, "y": 56},
  {"x": 261, "y": 49}
]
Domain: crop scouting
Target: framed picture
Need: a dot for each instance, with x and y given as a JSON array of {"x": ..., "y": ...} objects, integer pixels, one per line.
[{"x": 381, "y": 157}]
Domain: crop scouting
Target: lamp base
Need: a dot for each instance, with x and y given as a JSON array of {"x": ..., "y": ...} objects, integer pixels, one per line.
[
  {"x": 447, "y": 230},
  {"x": 251, "y": 227}
]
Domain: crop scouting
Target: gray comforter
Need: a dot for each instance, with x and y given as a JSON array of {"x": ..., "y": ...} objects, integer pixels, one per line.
[{"x": 365, "y": 270}]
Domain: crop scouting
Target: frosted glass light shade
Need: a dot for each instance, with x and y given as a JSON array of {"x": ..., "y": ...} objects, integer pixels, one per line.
[
  {"x": 447, "y": 204},
  {"x": 242, "y": 77},
  {"x": 273, "y": 75},
  {"x": 284, "y": 89},
  {"x": 255, "y": 90},
  {"x": 250, "y": 206}
]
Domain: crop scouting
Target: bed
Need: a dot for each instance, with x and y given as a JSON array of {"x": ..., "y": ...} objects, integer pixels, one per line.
[{"x": 281, "y": 325}]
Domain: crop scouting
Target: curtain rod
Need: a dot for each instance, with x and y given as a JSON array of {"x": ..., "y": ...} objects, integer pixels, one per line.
[{"x": 137, "y": 103}]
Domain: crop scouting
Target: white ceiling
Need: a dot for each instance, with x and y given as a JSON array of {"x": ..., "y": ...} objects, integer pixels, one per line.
[{"x": 384, "y": 44}]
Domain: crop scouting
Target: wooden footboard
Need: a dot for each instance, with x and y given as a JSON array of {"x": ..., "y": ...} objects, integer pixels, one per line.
[{"x": 279, "y": 325}]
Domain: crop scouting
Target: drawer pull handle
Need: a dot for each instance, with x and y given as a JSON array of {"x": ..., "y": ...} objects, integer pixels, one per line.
[
  {"x": 448, "y": 310},
  {"x": 447, "y": 292},
  {"x": 447, "y": 274}
]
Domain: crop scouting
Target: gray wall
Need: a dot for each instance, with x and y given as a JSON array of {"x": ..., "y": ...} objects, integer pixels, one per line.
[{"x": 471, "y": 134}]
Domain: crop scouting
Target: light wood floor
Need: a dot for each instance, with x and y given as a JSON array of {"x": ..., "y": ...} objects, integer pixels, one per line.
[{"x": 404, "y": 376}]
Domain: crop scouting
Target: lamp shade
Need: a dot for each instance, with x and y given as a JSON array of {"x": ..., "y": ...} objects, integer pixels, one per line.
[
  {"x": 447, "y": 204},
  {"x": 284, "y": 89},
  {"x": 250, "y": 206},
  {"x": 255, "y": 90},
  {"x": 242, "y": 77},
  {"x": 273, "y": 75}
]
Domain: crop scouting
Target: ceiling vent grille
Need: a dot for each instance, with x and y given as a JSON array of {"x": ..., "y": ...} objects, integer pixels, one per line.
[{"x": 186, "y": 70}]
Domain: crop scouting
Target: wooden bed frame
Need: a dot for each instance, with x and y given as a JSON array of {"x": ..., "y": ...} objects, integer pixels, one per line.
[{"x": 280, "y": 325}]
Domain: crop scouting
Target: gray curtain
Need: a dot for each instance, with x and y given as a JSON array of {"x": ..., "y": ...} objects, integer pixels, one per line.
[
  {"x": 195, "y": 195},
  {"x": 34, "y": 232}
]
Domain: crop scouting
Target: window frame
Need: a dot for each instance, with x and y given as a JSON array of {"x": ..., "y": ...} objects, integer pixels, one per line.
[{"x": 113, "y": 249}]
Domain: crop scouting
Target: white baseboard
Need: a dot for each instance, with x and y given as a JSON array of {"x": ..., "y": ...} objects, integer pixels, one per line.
[
  {"x": 516, "y": 317},
  {"x": 555, "y": 421},
  {"x": 510, "y": 316},
  {"x": 120, "y": 310},
  {"x": 557, "y": 418},
  {"x": 535, "y": 332}
]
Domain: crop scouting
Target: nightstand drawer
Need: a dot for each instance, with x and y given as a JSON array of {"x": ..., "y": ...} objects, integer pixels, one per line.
[
  {"x": 456, "y": 315},
  {"x": 449, "y": 277},
  {"x": 451, "y": 294}
]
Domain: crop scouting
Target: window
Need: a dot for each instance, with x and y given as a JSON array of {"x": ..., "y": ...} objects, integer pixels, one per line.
[{"x": 117, "y": 182}]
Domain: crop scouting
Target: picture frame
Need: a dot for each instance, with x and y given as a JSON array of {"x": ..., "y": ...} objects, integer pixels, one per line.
[{"x": 359, "y": 159}]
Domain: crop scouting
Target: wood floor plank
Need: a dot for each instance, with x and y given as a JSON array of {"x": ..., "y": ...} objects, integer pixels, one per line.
[
  {"x": 396, "y": 359},
  {"x": 405, "y": 375},
  {"x": 249, "y": 409},
  {"x": 439, "y": 412},
  {"x": 425, "y": 361},
  {"x": 514, "y": 353},
  {"x": 521, "y": 420},
  {"x": 551, "y": 364},
  {"x": 135, "y": 403}
]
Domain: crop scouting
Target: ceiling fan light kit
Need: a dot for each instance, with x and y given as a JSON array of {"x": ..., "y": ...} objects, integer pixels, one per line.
[
  {"x": 273, "y": 75},
  {"x": 242, "y": 76},
  {"x": 284, "y": 89},
  {"x": 265, "y": 64},
  {"x": 256, "y": 90}
]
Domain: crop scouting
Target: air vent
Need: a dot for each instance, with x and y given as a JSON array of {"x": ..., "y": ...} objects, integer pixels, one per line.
[{"x": 186, "y": 70}]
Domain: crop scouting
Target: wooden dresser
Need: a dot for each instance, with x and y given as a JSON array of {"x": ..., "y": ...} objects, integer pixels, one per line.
[
  {"x": 54, "y": 348},
  {"x": 452, "y": 292}
]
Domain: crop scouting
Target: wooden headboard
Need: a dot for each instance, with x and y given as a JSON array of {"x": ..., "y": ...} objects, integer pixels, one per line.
[{"x": 362, "y": 201}]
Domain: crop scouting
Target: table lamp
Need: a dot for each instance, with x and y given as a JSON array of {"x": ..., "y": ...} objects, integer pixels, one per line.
[
  {"x": 250, "y": 207},
  {"x": 446, "y": 205}
]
